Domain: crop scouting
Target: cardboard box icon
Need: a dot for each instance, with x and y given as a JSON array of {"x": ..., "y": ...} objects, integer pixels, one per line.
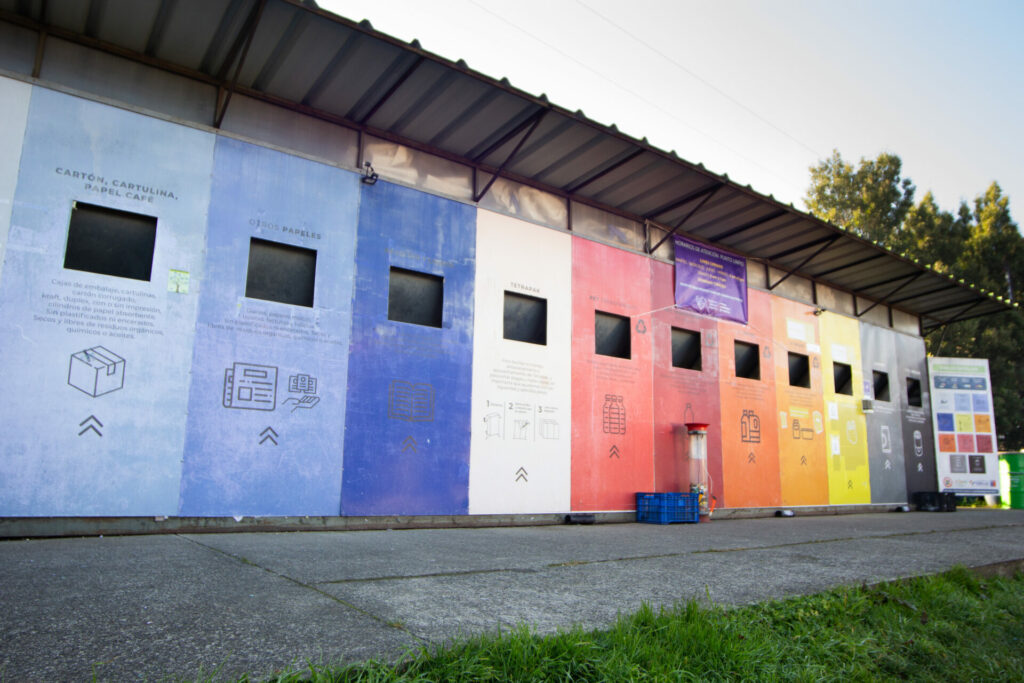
[{"x": 96, "y": 371}]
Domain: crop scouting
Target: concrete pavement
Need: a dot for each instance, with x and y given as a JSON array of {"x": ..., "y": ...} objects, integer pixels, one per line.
[{"x": 153, "y": 607}]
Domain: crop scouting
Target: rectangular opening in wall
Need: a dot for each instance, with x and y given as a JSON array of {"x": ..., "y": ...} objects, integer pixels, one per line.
[
  {"x": 415, "y": 297},
  {"x": 526, "y": 318},
  {"x": 843, "y": 376},
  {"x": 280, "y": 272},
  {"x": 914, "y": 392},
  {"x": 611, "y": 335},
  {"x": 748, "y": 360},
  {"x": 799, "y": 370},
  {"x": 685, "y": 349},
  {"x": 110, "y": 242},
  {"x": 881, "y": 383}
]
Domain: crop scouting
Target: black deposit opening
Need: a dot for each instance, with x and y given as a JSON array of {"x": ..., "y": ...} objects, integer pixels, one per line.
[
  {"x": 611, "y": 335},
  {"x": 881, "y": 384},
  {"x": 280, "y": 272},
  {"x": 110, "y": 242},
  {"x": 685, "y": 349},
  {"x": 914, "y": 392},
  {"x": 799, "y": 370},
  {"x": 842, "y": 374},
  {"x": 415, "y": 297},
  {"x": 748, "y": 360},
  {"x": 526, "y": 318}
]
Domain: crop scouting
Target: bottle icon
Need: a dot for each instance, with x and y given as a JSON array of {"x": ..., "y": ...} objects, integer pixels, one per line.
[{"x": 613, "y": 415}]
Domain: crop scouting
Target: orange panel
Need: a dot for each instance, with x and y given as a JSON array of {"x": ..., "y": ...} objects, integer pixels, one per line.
[
  {"x": 612, "y": 446},
  {"x": 803, "y": 463},
  {"x": 750, "y": 446}
]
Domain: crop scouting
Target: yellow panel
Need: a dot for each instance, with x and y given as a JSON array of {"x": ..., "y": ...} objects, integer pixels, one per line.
[
  {"x": 845, "y": 430},
  {"x": 964, "y": 422}
]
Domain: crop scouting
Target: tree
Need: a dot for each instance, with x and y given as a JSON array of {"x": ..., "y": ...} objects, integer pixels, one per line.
[
  {"x": 981, "y": 244},
  {"x": 872, "y": 200}
]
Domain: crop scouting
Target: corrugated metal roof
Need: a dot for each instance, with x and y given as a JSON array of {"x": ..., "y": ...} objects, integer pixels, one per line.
[{"x": 294, "y": 54}]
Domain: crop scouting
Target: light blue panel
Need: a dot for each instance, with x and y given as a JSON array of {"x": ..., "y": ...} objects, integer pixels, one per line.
[
  {"x": 267, "y": 404},
  {"x": 407, "y": 433},
  {"x": 95, "y": 382}
]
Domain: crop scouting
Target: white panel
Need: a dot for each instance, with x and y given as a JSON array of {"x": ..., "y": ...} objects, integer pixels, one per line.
[
  {"x": 520, "y": 456},
  {"x": 15, "y": 96}
]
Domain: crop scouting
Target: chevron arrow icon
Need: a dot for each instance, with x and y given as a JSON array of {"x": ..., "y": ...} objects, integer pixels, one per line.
[{"x": 268, "y": 434}]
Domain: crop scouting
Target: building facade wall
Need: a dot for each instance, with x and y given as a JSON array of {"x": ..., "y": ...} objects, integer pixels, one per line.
[{"x": 210, "y": 392}]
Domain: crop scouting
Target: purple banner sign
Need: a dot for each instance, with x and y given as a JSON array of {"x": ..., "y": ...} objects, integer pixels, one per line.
[{"x": 710, "y": 281}]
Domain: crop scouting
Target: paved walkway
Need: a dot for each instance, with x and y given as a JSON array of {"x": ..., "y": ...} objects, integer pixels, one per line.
[{"x": 149, "y": 607}]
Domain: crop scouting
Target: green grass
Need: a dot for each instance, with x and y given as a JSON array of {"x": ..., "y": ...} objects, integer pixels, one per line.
[{"x": 950, "y": 627}]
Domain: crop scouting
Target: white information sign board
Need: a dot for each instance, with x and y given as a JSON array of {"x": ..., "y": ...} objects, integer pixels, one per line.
[{"x": 966, "y": 450}]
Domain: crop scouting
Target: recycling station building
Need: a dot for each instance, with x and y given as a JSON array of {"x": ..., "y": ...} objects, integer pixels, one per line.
[{"x": 262, "y": 262}]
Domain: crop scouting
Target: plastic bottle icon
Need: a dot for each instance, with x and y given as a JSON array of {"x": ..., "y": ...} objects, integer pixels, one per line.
[{"x": 613, "y": 415}]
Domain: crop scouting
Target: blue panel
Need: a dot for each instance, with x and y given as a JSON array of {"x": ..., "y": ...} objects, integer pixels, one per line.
[
  {"x": 407, "y": 434},
  {"x": 267, "y": 403},
  {"x": 94, "y": 385}
]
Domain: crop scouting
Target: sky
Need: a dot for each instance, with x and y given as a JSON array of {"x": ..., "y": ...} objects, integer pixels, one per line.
[{"x": 761, "y": 90}]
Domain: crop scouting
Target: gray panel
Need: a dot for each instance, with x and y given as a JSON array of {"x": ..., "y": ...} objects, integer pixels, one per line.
[
  {"x": 886, "y": 449},
  {"x": 126, "y": 81},
  {"x": 918, "y": 440}
]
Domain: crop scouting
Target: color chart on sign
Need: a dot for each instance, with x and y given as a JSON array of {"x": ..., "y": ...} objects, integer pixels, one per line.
[{"x": 965, "y": 430}]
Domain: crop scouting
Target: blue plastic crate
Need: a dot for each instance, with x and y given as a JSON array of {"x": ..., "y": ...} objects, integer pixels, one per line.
[{"x": 667, "y": 508}]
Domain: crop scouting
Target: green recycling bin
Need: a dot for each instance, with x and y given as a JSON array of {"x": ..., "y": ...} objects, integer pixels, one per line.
[{"x": 1015, "y": 461}]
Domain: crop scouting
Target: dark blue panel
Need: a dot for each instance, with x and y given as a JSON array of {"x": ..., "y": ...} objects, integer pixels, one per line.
[
  {"x": 267, "y": 401},
  {"x": 407, "y": 429}
]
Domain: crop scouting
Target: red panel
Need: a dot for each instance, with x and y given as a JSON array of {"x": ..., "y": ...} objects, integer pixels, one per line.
[
  {"x": 750, "y": 448},
  {"x": 682, "y": 395},
  {"x": 612, "y": 454}
]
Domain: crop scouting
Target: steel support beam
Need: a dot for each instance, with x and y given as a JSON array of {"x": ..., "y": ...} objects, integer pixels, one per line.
[
  {"x": 538, "y": 117},
  {"x": 246, "y": 34},
  {"x": 392, "y": 90},
  {"x": 943, "y": 288},
  {"x": 803, "y": 263},
  {"x": 830, "y": 239},
  {"x": 885, "y": 298},
  {"x": 851, "y": 265},
  {"x": 601, "y": 174},
  {"x": 687, "y": 217}
]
